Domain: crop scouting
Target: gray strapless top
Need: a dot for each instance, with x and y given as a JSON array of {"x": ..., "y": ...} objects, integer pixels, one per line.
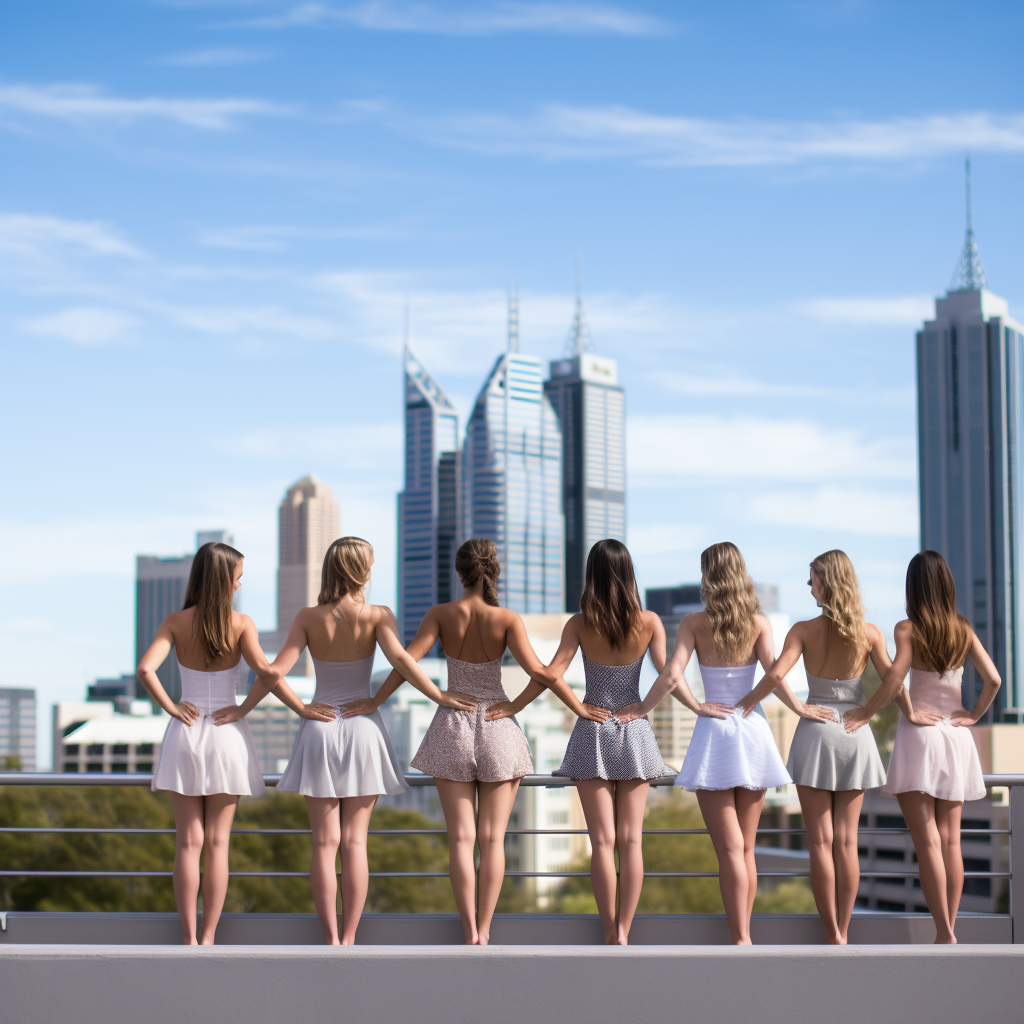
[{"x": 834, "y": 691}]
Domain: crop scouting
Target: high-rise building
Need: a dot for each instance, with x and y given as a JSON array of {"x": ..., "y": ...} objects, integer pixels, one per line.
[
  {"x": 17, "y": 730},
  {"x": 591, "y": 409},
  {"x": 970, "y": 393},
  {"x": 309, "y": 521},
  {"x": 512, "y": 479},
  {"x": 428, "y": 506},
  {"x": 159, "y": 590}
]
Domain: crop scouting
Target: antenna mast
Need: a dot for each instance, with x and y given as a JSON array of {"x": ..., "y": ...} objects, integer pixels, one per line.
[
  {"x": 513, "y": 319},
  {"x": 579, "y": 333},
  {"x": 969, "y": 274}
]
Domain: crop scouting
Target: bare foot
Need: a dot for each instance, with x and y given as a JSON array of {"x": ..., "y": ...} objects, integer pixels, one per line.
[
  {"x": 949, "y": 940},
  {"x": 622, "y": 939},
  {"x": 835, "y": 940},
  {"x": 483, "y": 940},
  {"x": 611, "y": 940},
  {"x": 743, "y": 942}
]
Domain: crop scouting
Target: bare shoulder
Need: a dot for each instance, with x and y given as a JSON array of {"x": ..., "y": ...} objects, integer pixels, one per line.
[
  {"x": 762, "y": 623},
  {"x": 903, "y": 629},
  {"x": 875, "y": 634},
  {"x": 695, "y": 621},
  {"x": 651, "y": 620},
  {"x": 240, "y": 622},
  {"x": 380, "y": 613},
  {"x": 573, "y": 625}
]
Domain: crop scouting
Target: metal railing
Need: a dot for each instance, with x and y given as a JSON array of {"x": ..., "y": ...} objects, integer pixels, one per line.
[{"x": 1012, "y": 782}]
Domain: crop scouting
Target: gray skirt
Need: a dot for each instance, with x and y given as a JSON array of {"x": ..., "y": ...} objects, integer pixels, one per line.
[{"x": 824, "y": 755}]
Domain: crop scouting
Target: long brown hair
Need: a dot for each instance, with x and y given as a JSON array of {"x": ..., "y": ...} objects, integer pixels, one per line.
[
  {"x": 610, "y": 602},
  {"x": 729, "y": 599},
  {"x": 346, "y": 569},
  {"x": 210, "y": 591},
  {"x": 477, "y": 560},
  {"x": 841, "y": 600},
  {"x": 941, "y": 636}
]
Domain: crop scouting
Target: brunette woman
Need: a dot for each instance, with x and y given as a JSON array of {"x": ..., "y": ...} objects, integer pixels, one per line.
[
  {"x": 934, "y": 766},
  {"x": 612, "y": 762},
  {"x": 342, "y": 765},
  {"x": 830, "y": 766},
  {"x": 731, "y": 760},
  {"x": 477, "y": 760},
  {"x": 205, "y": 769}
]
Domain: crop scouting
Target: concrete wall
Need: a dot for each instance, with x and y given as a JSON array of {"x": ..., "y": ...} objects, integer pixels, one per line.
[{"x": 509, "y": 985}]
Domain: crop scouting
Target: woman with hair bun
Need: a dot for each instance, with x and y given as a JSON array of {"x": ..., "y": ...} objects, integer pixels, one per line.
[
  {"x": 731, "y": 760},
  {"x": 342, "y": 764},
  {"x": 830, "y": 765},
  {"x": 612, "y": 762},
  {"x": 934, "y": 766},
  {"x": 205, "y": 769},
  {"x": 477, "y": 760}
]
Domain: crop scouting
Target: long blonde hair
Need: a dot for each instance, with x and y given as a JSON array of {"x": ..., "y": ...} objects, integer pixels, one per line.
[
  {"x": 346, "y": 570},
  {"x": 729, "y": 599},
  {"x": 841, "y": 600}
]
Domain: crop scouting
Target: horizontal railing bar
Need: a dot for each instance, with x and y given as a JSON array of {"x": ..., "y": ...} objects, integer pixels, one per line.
[{"x": 412, "y": 779}]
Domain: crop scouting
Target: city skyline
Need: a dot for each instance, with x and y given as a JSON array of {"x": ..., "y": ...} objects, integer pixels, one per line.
[{"x": 206, "y": 264}]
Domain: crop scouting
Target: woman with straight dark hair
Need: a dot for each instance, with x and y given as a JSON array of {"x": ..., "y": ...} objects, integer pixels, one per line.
[
  {"x": 204, "y": 768},
  {"x": 341, "y": 765},
  {"x": 477, "y": 760},
  {"x": 732, "y": 760},
  {"x": 612, "y": 762},
  {"x": 934, "y": 767}
]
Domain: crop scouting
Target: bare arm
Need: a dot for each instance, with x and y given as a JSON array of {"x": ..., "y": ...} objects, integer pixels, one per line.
[
  {"x": 151, "y": 661},
  {"x": 990, "y": 678},
  {"x": 658, "y": 645}
]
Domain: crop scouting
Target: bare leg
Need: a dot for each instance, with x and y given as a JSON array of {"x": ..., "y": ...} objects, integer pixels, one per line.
[
  {"x": 630, "y": 804},
  {"x": 598, "y": 799},
  {"x": 458, "y": 801},
  {"x": 846, "y": 818},
  {"x": 355, "y": 871},
  {"x": 816, "y": 806},
  {"x": 220, "y": 813},
  {"x": 188, "y": 845},
  {"x": 919, "y": 810},
  {"x": 325, "y": 822},
  {"x": 748, "y": 811},
  {"x": 496, "y": 799},
  {"x": 947, "y": 820},
  {"x": 718, "y": 808}
]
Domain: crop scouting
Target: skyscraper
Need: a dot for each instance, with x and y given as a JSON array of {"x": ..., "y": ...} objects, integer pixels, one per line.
[
  {"x": 428, "y": 506},
  {"x": 512, "y": 479},
  {"x": 591, "y": 409},
  {"x": 17, "y": 730},
  {"x": 159, "y": 590},
  {"x": 969, "y": 405},
  {"x": 309, "y": 521}
]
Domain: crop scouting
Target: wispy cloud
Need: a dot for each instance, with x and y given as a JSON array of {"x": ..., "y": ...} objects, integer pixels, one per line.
[
  {"x": 861, "y": 510},
  {"x": 472, "y": 20},
  {"x": 83, "y": 325},
  {"x": 86, "y": 103},
  {"x": 27, "y": 235},
  {"x": 563, "y": 132},
  {"x": 217, "y": 57},
  {"x": 865, "y": 311}
]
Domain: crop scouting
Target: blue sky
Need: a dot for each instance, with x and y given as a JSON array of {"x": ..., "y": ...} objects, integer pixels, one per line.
[{"x": 212, "y": 216}]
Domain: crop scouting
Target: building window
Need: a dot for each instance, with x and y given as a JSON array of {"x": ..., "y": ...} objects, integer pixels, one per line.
[
  {"x": 119, "y": 748},
  {"x": 889, "y": 855},
  {"x": 890, "y": 821},
  {"x": 95, "y": 749},
  {"x": 70, "y": 749},
  {"x": 144, "y": 749},
  {"x": 71, "y": 766},
  {"x": 119, "y": 766},
  {"x": 144, "y": 766},
  {"x": 94, "y": 766},
  {"x": 891, "y": 905}
]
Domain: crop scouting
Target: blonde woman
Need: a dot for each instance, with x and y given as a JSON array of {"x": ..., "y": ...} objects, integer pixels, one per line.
[
  {"x": 732, "y": 760},
  {"x": 205, "y": 769},
  {"x": 934, "y": 766},
  {"x": 830, "y": 766},
  {"x": 341, "y": 766},
  {"x": 477, "y": 761}
]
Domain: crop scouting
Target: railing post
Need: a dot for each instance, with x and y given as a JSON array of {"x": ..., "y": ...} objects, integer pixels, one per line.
[{"x": 1017, "y": 863}]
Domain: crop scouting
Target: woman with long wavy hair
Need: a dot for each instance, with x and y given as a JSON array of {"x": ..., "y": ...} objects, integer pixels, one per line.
[
  {"x": 205, "y": 769},
  {"x": 934, "y": 765},
  {"x": 830, "y": 766},
  {"x": 477, "y": 760},
  {"x": 612, "y": 762},
  {"x": 732, "y": 760},
  {"x": 342, "y": 764}
]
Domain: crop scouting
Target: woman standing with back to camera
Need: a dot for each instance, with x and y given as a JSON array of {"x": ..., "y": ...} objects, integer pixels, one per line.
[
  {"x": 477, "y": 760},
  {"x": 205, "y": 769},
  {"x": 613, "y": 762},
  {"x": 732, "y": 759},
  {"x": 934, "y": 768},
  {"x": 341, "y": 765}
]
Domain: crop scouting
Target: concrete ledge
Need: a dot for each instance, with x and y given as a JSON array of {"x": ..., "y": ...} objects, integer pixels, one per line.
[
  {"x": 509, "y": 929},
  {"x": 509, "y": 985}
]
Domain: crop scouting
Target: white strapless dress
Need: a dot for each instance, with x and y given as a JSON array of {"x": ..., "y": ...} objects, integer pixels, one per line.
[
  {"x": 731, "y": 751},
  {"x": 202, "y": 758},
  {"x": 349, "y": 756}
]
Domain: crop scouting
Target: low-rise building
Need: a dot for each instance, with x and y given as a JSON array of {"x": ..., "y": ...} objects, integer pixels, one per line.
[
  {"x": 17, "y": 730},
  {"x": 114, "y": 742}
]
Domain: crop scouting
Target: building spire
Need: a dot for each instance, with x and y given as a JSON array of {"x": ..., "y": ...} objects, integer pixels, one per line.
[
  {"x": 405, "y": 344},
  {"x": 513, "y": 319},
  {"x": 969, "y": 274},
  {"x": 579, "y": 333}
]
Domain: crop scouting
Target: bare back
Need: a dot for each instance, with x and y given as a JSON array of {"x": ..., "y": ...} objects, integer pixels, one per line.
[
  {"x": 189, "y": 650},
  {"x": 709, "y": 653},
  {"x": 472, "y": 630},
  {"x": 599, "y": 649},
  {"x": 826, "y": 654},
  {"x": 345, "y": 630}
]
